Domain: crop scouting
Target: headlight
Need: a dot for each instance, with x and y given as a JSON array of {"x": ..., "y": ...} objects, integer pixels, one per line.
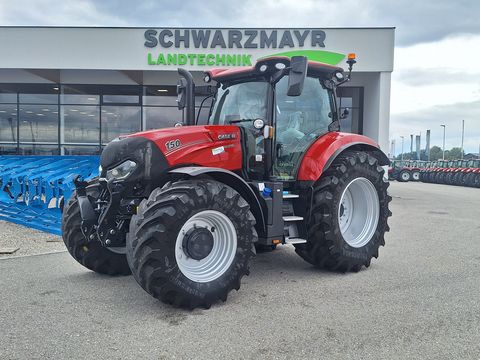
[{"x": 121, "y": 171}]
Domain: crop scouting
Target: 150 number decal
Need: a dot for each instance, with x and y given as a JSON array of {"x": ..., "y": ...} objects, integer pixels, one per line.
[{"x": 173, "y": 144}]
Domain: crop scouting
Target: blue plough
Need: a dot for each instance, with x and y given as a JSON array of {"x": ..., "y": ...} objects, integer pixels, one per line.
[{"x": 32, "y": 188}]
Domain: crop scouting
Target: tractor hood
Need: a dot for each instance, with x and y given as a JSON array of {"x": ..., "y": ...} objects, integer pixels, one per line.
[{"x": 204, "y": 145}]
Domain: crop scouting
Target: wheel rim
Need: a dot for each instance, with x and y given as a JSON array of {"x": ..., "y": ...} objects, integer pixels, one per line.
[
  {"x": 416, "y": 176},
  {"x": 358, "y": 212},
  {"x": 405, "y": 176},
  {"x": 222, "y": 253}
]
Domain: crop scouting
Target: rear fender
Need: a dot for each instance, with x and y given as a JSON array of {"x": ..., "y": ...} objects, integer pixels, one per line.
[
  {"x": 231, "y": 179},
  {"x": 325, "y": 150}
]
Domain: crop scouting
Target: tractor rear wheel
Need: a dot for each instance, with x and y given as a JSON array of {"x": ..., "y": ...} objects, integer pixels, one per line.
[
  {"x": 90, "y": 254},
  {"x": 416, "y": 175},
  {"x": 349, "y": 214},
  {"x": 190, "y": 242},
  {"x": 404, "y": 176}
]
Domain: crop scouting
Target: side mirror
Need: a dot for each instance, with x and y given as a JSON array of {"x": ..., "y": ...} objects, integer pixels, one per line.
[
  {"x": 181, "y": 93},
  {"x": 296, "y": 78},
  {"x": 345, "y": 113}
]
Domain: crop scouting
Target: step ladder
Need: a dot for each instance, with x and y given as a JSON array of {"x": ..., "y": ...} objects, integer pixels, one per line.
[{"x": 290, "y": 220}]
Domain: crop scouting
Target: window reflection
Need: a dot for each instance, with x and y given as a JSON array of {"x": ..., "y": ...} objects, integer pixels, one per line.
[
  {"x": 81, "y": 124},
  {"x": 119, "y": 120},
  {"x": 35, "y": 149},
  {"x": 38, "y": 123},
  {"x": 80, "y": 150},
  {"x": 8, "y": 122},
  {"x": 161, "y": 117}
]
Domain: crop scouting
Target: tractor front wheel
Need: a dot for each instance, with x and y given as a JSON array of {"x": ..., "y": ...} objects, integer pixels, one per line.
[
  {"x": 190, "y": 242},
  {"x": 349, "y": 214},
  {"x": 90, "y": 254}
]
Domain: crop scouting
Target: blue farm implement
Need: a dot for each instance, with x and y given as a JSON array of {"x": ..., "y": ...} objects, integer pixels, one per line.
[{"x": 33, "y": 187}]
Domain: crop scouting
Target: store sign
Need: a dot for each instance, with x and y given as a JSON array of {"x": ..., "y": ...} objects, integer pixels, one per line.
[{"x": 232, "y": 47}]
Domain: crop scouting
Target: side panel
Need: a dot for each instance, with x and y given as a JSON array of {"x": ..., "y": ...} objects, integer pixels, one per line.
[
  {"x": 322, "y": 152},
  {"x": 213, "y": 146}
]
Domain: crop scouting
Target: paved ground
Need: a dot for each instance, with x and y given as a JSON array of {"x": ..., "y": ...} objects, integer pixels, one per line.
[
  {"x": 28, "y": 241},
  {"x": 419, "y": 300}
]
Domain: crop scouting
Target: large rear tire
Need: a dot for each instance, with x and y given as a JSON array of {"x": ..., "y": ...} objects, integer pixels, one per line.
[
  {"x": 349, "y": 214},
  {"x": 191, "y": 242},
  {"x": 404, "y": 176},
  {"x": 91, "y": 254}
]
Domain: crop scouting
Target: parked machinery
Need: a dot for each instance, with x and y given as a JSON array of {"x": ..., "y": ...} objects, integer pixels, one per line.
[
  {"x": 405, "y": 170},
  {"x": 452, "y": 172}
]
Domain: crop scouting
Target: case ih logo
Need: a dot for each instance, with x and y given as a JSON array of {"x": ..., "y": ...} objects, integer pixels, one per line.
[{"x": 230, "y": 47}]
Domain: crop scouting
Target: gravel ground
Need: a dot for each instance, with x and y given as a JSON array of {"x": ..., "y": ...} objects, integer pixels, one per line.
[
  {"x": 30, "y": 241},
  {"x": 419, "y": 300}
]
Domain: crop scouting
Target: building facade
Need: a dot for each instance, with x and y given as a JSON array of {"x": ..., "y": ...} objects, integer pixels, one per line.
[{"x": 71, "y": 90}]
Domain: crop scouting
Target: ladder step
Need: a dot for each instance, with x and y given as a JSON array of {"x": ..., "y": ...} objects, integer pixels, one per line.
[
  {"x": 295, "y": 241},
  {"x": 292, "y": 218},
  {"x": 290, "y": 196}
]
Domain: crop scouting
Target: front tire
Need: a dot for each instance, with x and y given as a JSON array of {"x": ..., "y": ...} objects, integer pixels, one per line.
[
  {"x": 91, "y": 254},
  {"x": 191, "y": 242},
  {"x": 334, "y": 243}
]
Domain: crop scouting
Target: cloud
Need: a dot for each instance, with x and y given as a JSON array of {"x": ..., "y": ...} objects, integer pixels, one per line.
[
  {"x": 451, "y": 115},
  {"x": 416, "y": 22},
  {"x": 438, "y": 83},
  {"x": 54, "y": 12}
]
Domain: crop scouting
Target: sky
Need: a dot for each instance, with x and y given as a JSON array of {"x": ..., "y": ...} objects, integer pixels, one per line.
[{"x": 436, "y": 79}]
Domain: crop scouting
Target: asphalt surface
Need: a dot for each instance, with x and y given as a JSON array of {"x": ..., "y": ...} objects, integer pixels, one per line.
[
  {"x": 28, "y": 241},
  {"x": 419, "y": 300}
]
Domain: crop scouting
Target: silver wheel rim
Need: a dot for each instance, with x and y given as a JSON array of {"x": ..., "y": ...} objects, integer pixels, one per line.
[
  {"x": 217, "y": 262},
  {"x": 358, "y": 212},
  {"x": 416, "y": 176},
  {"x": 405, "y": 176}
]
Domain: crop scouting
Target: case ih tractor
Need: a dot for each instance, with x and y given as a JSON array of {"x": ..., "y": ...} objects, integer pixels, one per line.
[
  {"x": 184, "y": 208},
  {"x": 405, "y": 170}
]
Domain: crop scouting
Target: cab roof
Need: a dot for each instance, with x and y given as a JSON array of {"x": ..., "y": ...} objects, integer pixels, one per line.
[{"x": 225, "y": 75}]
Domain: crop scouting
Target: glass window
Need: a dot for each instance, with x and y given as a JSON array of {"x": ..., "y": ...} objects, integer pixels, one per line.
[
  {"x": 80, "y": 150},
  {"x": 8, "y": 122},
  {"x": 351, "y": 98},
  {"x": 119, "y": 120},
  {"x": 8, "y": 97},
  {"x": 160, "y": 95},
  {"x": 80, "y": 99},
  {"x": 299, "y": 121},
  {"x": 8, "y": 149},
  {"x": 120, "y": 99},
  {"x": 160, "y": 100},
  {"x": 240, "y": 102},
  {"x": 161, "y": 117},
  {"x": 35, "y": 149},
  {"x": 38, "y": 123},
  {"x": 81, "y": 124},
  {"x": 38, "y": 98}
]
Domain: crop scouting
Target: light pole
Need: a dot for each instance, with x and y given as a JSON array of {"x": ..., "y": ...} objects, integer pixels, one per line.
[
  {"x": 402, "y": 146},
  {"x": 463, "y": 135},
  {"x": 443, "y": 156}
]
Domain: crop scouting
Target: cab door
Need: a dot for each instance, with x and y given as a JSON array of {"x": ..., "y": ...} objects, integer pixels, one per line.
[{"x": 299, "y": 121}]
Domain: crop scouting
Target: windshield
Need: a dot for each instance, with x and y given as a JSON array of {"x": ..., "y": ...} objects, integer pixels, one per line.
[{"x": 245, "y": 101}]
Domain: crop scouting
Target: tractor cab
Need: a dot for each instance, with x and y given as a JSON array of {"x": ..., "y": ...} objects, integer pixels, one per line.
[{"x": 281, "y": 105}]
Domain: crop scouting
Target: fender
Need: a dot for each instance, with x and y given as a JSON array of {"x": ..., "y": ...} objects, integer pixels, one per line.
[
  {"x": 326, "y": 148},
  {"x": 231, "y": 179}
]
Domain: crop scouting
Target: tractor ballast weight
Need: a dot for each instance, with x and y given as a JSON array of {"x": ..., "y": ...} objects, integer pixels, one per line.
[{"x": 183, "y": 208}]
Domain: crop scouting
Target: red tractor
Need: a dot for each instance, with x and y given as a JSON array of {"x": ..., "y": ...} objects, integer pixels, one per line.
[
  {"x": 184, "y": 208},
  {"x": 405, "y": 170}
]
